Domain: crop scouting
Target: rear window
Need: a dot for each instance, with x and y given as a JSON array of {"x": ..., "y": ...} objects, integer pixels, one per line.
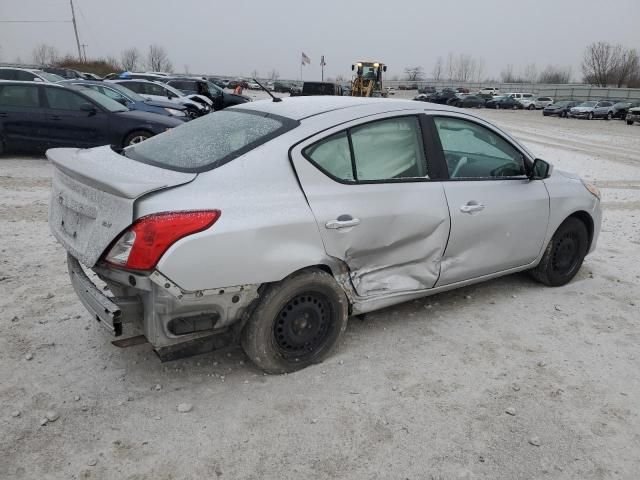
[{"x": 210, "y": 141}]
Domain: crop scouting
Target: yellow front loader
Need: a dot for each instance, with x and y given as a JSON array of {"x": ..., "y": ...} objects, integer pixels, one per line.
[{"x": 368, "y": 79}]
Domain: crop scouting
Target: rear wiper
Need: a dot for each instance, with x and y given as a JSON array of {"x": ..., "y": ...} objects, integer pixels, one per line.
[{"x": 275, "y": 99}]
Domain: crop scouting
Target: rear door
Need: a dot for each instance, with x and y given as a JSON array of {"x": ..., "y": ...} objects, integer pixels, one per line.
[
  {"x": 498, "y": 216},
  {"x": 68, "y": 125},
  {"x": 377, "y": 210},
  {"x": 21, "y": 116}
]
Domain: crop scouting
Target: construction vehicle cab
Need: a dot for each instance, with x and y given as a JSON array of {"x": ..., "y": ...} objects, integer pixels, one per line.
[{"x": 368, "y": 79}]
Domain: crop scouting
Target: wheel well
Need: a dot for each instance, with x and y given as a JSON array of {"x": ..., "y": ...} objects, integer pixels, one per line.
[{"x": 585, "y": 218}]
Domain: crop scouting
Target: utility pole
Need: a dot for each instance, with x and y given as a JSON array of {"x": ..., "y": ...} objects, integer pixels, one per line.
[
  {"x": 75, "y": 29},
  {"x": 84, "y": 51}
]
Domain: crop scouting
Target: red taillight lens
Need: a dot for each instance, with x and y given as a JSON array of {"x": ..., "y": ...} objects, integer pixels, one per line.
[{"x": 143, "y": 243}]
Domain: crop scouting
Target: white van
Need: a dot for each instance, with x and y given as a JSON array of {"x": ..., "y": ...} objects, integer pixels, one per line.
[{"x": 527, "y": 100}]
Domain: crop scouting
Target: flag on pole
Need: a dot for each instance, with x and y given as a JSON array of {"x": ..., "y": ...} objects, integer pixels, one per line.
[
  {"x": 322, "y": 62},
  {"x": 305, "y": 59}
]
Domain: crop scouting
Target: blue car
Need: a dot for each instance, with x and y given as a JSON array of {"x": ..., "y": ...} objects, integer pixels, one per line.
[
  {"x": 40, "y": 115},
  {"x": 131, "y": 99}
]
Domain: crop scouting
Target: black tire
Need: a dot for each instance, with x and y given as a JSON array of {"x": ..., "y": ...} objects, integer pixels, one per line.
[
  {"x": 590, "y": 117},
  {"x": 136, "y": 137},
  {"x": 629, "y": 122},
  {"x": 564, "y": 255},
  {"x": 531, "y": 107},
  {"x": 609, "y": 116},
  {"x": 192, "y": 112},
  {"x": 296, "y": 323}
]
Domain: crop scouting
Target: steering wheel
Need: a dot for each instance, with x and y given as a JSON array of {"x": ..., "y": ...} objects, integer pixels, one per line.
[{"x": 506, "y": 170}]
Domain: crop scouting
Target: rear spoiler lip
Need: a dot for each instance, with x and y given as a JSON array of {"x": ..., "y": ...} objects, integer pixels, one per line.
[{"x": 63, "y": 159}]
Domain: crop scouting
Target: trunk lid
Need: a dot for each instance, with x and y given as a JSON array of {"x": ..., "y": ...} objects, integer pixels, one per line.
[{"x": 93, "y": 194}]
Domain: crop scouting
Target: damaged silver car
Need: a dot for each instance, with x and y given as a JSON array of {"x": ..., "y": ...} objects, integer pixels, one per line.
[{"x": 273, "y": 222}]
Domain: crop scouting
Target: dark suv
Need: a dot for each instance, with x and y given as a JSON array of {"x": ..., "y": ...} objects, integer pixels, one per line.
[{"x": 199, "y": 86}]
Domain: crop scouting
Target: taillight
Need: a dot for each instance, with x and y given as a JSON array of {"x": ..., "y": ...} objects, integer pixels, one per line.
[{"x": 143, "y": 243}]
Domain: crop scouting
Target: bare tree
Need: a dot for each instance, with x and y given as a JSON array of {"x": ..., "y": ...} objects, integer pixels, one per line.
[
  {"x": 44, "y": 54},
  {"x": 158, "y": 60},
  {"x": 130, "y": 59},
  {"x": 113, "y": 61},
  {"x": 451, "y": 67},
  {"x": 465, "y": 67},
  {"x": 600, "y": 60},
  {"x": 530, "y": 74},
  {"x": 507, "y": 75},
  {"x": 340, "y": 78},
  {"x": 186, "y": 69},
  {"x": 255, "y": 74},
  {"x": 413, "y": 74},
  {"x": 479, "y": 69},
  {"x": 274, "y": 75},
  {"x": 436, "y": 73},
  {"x": 553, "y": 74},
  {"x": 627, "y": 63}
]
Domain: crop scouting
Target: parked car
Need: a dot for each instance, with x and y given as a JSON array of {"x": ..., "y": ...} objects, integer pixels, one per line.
[
  {"x": 253, "y": 86},
  {"x": 160, "y": 91},
  {"x": 620, "y": 109},
  {"x": 320, "y": 88},
  {"x": 234, "y": 83},
  {"x": 469, "y": 101},
  {"x": 423, "y": 97},
  {"x": 390, "y": 90},
  {"x": 295, "y": 90},
  {"x": 427, "y": 89},
  {"x": 494, "y": 91},
  {"x": 561, "y": 108},
  {"x": 504, "y": 103},
  {"x": 219, "y": 98},
  {"x": 633, "y": 115},
  {"x": 270, "y": 223},
  {"x": 28, "y": 75},
  {"x": 593, "y": 109},
  {"x": 527, "y": 100},
  {"x": 41, "y": 115},
  {"x": 90, "y": 76},
  {"x": 444, "y": 96},
  {"x": 131, "y": 99},
  {"x": 462, "y": 90},
  {"x": 542, "y": 102},
  {"x": 281, "y": 87},
  {"x": 67, "y": 73}
]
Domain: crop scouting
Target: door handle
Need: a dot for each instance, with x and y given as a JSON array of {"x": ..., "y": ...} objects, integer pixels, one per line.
[
  {"x": 471, "y": 207},
  {"x": 343, "y": 221}
]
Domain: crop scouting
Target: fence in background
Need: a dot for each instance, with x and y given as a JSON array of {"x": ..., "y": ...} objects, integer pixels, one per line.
[{"x": 576, "y": 91}]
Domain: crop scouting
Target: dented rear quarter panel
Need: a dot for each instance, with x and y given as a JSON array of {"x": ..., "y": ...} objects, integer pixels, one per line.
[{"x": 266, "y": 230}]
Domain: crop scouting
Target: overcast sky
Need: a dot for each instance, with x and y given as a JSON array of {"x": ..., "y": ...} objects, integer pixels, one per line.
[{"x": 235, "y": 37}]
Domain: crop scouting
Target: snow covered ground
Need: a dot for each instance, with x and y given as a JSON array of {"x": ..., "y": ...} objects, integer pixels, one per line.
[{"x": 502, "y": 380}]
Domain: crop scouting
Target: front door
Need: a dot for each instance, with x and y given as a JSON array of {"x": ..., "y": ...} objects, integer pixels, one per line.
[
  {"x": 375, "y": 206},
  {"x": 68, "y": 125},
  {"x": 498, "y": 216}
]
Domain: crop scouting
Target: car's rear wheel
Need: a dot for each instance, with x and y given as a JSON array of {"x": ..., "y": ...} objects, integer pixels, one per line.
[
  {"x": 609, "y": 116},
  {"x": 296, "y": 323},
  {"x": 590, "y": 117},
  {"x": 629, "y": 122},
  {"x": 136, "y": 137},
  {"x": 193, "y": 112},
  {"x": 564, "y": 255},
  {"x": 531, "y": 107}
]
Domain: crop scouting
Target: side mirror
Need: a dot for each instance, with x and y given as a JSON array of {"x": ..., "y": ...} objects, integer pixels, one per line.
[
  {"x": 123, "y": 101},
  {"x": 384, "y": 68},
  {"x": 353, "y": 67},
  {"x": 87, "y": 107},
  {"x": 540, "y": 170}
]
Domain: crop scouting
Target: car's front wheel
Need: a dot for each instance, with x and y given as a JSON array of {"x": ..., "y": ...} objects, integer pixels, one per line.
[
  {"x": 564, "y": 255},
  {"x": 590, "y": 117},
  {"x": 629, "y": 122},
  {"x": 296, "y": 323},
  {"x": 531, "y": 107},
  {"x": 609, "y": 116}
]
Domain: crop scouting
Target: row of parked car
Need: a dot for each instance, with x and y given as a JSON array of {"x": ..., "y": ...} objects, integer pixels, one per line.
[
  {"x": 41, "y": 109},
  {"x": 490, "y": 98}
]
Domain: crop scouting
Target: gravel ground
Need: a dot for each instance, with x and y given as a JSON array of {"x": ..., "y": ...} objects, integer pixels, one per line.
[{"x": 503, "y": 380}]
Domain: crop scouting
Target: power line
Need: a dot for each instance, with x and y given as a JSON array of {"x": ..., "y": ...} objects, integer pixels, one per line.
[{"x": 35, "y": 21}]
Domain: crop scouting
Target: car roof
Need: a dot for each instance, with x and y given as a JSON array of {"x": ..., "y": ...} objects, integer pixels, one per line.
[{"x": 299, "y": 108}]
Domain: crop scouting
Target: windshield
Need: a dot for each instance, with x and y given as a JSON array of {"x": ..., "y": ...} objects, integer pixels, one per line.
[
  {"x": 130, "y": 94},
  {"x": 213, "y": 88},
  {"x": 104, "y": 101},
  {"x": 51, "y": 77},
  {"x": 210, "y": 141},
  {"x": 588, "y": 104},
  {"x": 173, "y": 90}
]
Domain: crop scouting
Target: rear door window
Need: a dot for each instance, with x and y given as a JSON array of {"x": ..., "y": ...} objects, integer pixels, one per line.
[
  {"x": 210, "y": 141},
  {"x": 63, "y": 99},
  {"x": 23, "y": 96}
]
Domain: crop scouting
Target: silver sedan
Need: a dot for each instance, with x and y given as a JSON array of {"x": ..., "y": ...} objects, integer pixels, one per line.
[{"x": 273, "y": 222}]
